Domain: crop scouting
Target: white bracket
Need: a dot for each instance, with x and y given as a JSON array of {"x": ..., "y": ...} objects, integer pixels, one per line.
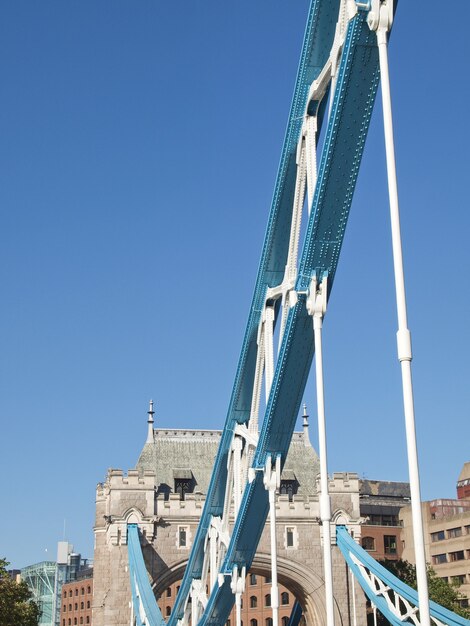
[
  {"x": 317, "y": 299},
  {"x": 237, "y": 586},
  {"x": 380, "y": 16},
  {"x": 272, "y": 477}
]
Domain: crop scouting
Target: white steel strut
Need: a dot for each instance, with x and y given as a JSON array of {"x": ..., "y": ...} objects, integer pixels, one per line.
[
  {"x": 380, "y": 19},
  {"x": 316, "y": 306}
]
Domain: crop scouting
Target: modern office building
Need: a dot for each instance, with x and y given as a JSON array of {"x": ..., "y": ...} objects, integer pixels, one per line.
[
  {"x": 446, "y": 525},
  {"x": 46, "y": 579}
]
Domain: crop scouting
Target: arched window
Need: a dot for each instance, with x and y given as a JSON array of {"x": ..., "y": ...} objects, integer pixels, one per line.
[
  {"x": 253, "y": 622},
  {"x": 82, "y": 605},
  {"x": 269, "y": 621},
  {"x": 168, "y": 611},
  {"x": 88, "y": 589},
  {"x": 267, "y": 601},
  {"x": 252, "y": 579},
  {"x": 253, "y": 602},
  {"x": 284, "y": 598},
  {"x": 88, "y": 604},
  {"x": 285, "y": 620},
  {"x": 368, "y": 543}
]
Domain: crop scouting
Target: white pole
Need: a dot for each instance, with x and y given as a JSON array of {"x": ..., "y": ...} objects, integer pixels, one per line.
[
  {"x": 403, "y": 334},
  {"x": 353, "y": 599},
  {"x": 271, "y": 482},
  {"x": 325, "y": 505},
  {"x": 274, "y": 587}
]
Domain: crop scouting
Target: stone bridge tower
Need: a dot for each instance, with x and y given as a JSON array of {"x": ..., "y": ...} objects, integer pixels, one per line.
[{"x": 165, "y": 495}]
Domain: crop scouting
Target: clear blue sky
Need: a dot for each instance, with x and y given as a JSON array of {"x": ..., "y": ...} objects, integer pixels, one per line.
[{"x": 139, "y": 143}]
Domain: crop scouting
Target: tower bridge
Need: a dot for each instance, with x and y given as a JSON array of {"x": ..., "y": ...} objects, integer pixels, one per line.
[
  {"x": 209, "y": 508},
  {"x": 151, "y": 495}
]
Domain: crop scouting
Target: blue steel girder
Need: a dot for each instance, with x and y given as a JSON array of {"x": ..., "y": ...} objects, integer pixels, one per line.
[
  {"x": 317, "y": 43},
  {"x": 146, "y": 611},
  {"x": 339, "y": 165},
  {"x": 354, "y": 554}
]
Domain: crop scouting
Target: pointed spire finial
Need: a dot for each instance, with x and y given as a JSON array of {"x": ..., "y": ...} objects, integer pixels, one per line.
[
  {"x": 150, "y": 414},
  {"x": 305, "y": 425}
]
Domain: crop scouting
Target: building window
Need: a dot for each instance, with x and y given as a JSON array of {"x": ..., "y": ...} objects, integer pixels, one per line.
[
  {"x": 253, "y": 622},
  {"x": 290, "y": 537},
  {"x": 88, "y": 589},
  {"x": 182, "y": 536},
  {"x": 463, "y": 603},
  {"x": 437, "y": 559},
  {"x": 70, "y": 607},
  {"x": 88, "y": 604},
  {"x": 168, "y": 592},
  {"x": 285, "y": 620},
  {"x": 82, "y": 591},
  {"x": 383, "y": 520},
  {"x": 82, "y": 605},
  {"x": 268, "y": 579},
  {"x": 284, "y": 598},
  {"x": 70, "y": 593},
  {"x": 65, "y": 593},
  {"x": 76, "y": 606},
  {"x": 267, "y": 599},
  {"x": 70, "y": 621},
  {"x": 76, "y": 591},
  {"x": 178, "y": 589},
  {"x": 252, "y": 579},
  {"x": 81, "y": 620},
  {"x": 390, "y": 544},
  {"x": 63, "y": 622},
  {"x": 168, "y": 611},
  {"x": 75, "y": 621},
  {"x": 253, "y": 602},
  {"x": 452, "y": 533},
  {"x": 438, "y": 536},
  {"x": 368, "y": 543},
  {"x": 184, "y": 484},
  {"x": 269, "y": 621},
  {"x": 87, "y": 619},
  {"x": 64, "y": 608},
  {"x": 288, "y": 488},
  {"x": 458, "y": 580},
  {"x": 456, "y": 556}
]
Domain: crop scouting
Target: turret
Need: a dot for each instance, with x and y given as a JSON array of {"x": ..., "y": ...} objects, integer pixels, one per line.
[{"x": 150, "y": 413}]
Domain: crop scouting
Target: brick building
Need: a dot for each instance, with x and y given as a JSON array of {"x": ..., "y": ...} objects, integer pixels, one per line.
[
  {"x": 446, "y": 525},
  {"x": 77, "y": 598},
  {"x": 380, "y": 503}
]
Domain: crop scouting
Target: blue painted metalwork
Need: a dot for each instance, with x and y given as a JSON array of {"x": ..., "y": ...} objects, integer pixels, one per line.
[
  {"x": 347, "y": 128},
  {"x": 146, "y": 611},
  {"x": 317, "y": 43},
  {"x": 349, "y": 547},
  {"x": 296, "y": 614},
  {"x": 351, "y": 109}
]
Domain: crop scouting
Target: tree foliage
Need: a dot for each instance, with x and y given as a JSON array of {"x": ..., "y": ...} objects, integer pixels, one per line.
[
  {"x": 16, "y": 606},
  {"x": 440, "y": 591}
]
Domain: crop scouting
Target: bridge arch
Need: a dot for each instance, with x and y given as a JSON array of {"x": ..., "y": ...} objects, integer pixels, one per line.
[{"x": 306, "y": 585}]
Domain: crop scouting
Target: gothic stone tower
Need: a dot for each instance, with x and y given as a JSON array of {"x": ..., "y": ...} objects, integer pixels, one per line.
[{"x": 165, "y": 494}]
